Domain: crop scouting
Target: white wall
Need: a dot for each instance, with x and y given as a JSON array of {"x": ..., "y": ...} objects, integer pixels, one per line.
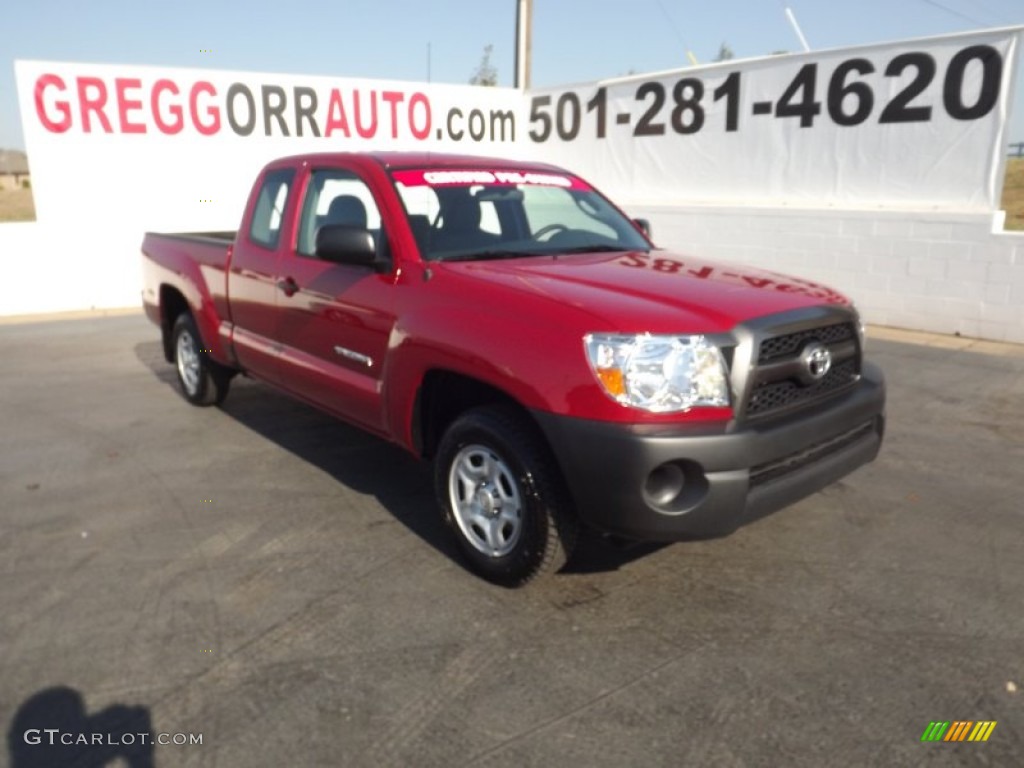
[
  {"x": 63, "y": 269},
  {"x": 941, "y": 272},
  {"x": 903, "y": 216}
]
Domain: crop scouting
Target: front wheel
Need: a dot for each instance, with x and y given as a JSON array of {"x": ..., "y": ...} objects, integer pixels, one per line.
[
  {"x": 502, "y": 496},
  {"x": 202, "y": 381}
]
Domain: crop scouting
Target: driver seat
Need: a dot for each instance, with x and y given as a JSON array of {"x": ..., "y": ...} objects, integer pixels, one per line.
[
  {"x": 460, "y": 225},
  {"x": 346, "y": 210}
]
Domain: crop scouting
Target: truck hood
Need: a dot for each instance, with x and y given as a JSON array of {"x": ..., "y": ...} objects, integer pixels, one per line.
[{"x": 656, "y": 292}]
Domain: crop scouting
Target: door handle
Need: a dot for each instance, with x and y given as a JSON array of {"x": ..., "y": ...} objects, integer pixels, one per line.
[{"x": 288, "y": 286}]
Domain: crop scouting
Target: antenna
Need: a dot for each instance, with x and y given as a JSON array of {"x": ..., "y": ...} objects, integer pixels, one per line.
[{"x": 796, "y": 27}]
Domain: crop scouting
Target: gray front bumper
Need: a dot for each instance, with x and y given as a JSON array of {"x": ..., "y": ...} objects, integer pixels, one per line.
[{"x": 731, "y": 477}]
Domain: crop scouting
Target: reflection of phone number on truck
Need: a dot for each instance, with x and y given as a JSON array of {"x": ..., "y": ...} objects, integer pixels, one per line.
[
  {"x": 849, "y": 101},
  {"x": 130, "y": 105},
  {"x": 705, "y": 272}
]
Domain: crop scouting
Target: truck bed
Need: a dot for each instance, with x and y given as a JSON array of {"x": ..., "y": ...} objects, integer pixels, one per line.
[
  {"x": 201, "y": 237},
  {"x": 171, "y": 248},
  {"x": 195, "y": 262}
]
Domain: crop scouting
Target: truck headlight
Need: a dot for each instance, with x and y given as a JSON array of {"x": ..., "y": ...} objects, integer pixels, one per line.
[
  {"x": 862, "y": 331},
  {"x": 661, "y": 374}
]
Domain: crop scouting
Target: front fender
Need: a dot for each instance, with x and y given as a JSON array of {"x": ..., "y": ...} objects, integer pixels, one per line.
[{"x": 481, "y": 347}]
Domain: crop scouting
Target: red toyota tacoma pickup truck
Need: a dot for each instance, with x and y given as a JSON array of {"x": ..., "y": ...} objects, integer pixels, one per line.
[{"x": 508, "y": 322}]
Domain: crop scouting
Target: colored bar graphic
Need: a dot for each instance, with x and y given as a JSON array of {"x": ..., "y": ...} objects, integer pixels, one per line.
[
  {"x": 958, "y": 730},
  {"x": 982, "y": 730}
]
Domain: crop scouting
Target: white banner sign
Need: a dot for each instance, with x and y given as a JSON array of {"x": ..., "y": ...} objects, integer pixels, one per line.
[
  {"x": 916, "y": 124},
  {"x": 179, "y": 148}
]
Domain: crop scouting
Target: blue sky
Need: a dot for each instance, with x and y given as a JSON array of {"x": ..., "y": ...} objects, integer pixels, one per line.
[{"x": 573, "y": 40}]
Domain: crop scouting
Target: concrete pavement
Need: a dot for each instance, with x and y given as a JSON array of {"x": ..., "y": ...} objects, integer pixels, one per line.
[{"x": 279, "y": 583}]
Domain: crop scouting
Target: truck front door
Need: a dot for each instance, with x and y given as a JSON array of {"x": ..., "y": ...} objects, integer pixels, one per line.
[{"x": 335, "y": 323}]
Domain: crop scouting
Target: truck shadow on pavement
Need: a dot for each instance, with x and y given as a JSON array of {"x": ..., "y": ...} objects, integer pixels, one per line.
[
  {"x": 401, "y": 483},
  {"x": 51, "y": 728}
]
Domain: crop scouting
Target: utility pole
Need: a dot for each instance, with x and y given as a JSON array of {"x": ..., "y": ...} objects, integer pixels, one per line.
[{"x": 524, "y": 46}]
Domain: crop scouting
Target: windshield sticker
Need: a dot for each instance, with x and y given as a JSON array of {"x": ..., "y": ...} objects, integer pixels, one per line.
[{"x": 469, "y": 177}]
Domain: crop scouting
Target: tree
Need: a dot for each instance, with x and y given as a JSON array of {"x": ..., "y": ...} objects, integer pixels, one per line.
[
  {"x": 486, "y": 73},
  {"x": 724, "y": 53}
]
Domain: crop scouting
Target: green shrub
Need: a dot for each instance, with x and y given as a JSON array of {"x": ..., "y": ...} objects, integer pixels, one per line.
[{"x": 26, "y": 184}]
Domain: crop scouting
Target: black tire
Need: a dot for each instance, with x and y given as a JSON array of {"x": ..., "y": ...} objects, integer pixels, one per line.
[
  {"x": 495, "y": 461},
  {"x": 202, "y": 381}
]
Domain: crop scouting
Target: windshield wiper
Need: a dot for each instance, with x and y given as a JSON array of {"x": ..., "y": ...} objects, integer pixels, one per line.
[
  {"x": 490, "y": 254},
  {"x": 595, "y": 248},
  {"x": 507, "y": 253}
]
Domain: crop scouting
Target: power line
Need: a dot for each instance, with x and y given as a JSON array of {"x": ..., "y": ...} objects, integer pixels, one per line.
[
  {"x": 678, "y": 34},
  {"x": 998, "y": 16},
  {"x": 947, "y": 9}
]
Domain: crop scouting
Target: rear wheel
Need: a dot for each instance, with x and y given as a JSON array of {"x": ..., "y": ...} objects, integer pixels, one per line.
[
  {"x": 202, "y": 381},
  {"x": 502, "y": 496}
]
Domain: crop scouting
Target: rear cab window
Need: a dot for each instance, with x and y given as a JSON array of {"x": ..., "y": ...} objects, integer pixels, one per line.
[{"x": 265, "y": 227}]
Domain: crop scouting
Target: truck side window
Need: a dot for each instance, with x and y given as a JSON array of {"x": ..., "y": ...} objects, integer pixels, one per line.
[
  {"x": 266, "y": 218},
  {"x": 337, "y": 197}
]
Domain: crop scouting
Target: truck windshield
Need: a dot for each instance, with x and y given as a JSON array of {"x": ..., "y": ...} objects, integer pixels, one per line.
[{"x": 466, "y": 214}]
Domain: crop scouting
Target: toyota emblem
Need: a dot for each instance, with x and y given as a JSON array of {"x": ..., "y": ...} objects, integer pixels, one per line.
[{"x": 817, "y": 361}]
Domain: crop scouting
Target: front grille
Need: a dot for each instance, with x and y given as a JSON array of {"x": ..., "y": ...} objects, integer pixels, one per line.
[
  {"x": 775, "y": 395},
  {"x": 787, "y": 345},
  {"x": 773, "y": 470},
  {"x": 779, "y": 381}
]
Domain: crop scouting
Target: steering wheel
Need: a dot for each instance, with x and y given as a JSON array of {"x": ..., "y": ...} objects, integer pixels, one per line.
[{"x": 549, "y": 229}]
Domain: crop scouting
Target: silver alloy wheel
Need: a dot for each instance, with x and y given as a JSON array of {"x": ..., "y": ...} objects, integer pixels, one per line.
[
  {"x": 486, "y": 501},
  {"x": 188, "y": 363}
]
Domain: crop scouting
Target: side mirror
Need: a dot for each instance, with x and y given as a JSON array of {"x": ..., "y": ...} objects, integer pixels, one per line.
[
  {"x": 643, "y": 225},
  {"x": 346, "y": 245}
]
